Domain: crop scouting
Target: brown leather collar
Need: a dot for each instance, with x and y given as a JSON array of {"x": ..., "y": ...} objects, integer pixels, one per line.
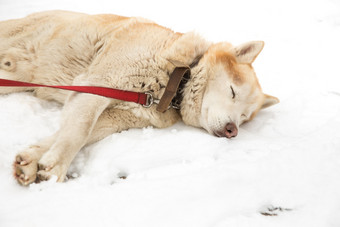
[
  {"x": 172, "y": 96},
  {"x": 174, "y": 81}
]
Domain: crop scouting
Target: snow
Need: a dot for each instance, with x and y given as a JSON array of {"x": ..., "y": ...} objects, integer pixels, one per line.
[{"x": 288, "y": 157}]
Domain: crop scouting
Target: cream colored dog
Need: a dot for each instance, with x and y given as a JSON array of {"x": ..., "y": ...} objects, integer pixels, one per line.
[{"x": 134, "y": 54}]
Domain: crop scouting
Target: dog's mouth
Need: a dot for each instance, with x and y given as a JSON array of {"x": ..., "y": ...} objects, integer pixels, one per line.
[{"x": 230, "y": 130}]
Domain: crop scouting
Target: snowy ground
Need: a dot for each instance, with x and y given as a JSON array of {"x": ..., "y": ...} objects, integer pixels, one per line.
[{"x": 287, "y": 157}]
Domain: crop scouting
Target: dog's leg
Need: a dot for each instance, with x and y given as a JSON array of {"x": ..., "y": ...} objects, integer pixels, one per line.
[
  {"x": 115, "y": 120},
  {"x": 110, "y": 121},
  {"x": 79, "y": 116},
  {"x": 26, "y": 162}
]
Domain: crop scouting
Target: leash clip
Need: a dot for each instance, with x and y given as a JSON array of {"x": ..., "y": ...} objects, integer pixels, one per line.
[{"x": 150, "y": 100}]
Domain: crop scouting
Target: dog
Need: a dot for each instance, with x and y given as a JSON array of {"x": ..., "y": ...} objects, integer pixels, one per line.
[{"x": 133, "y": 54}]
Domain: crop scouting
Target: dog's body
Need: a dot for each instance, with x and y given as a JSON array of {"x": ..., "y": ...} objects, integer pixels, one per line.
[{"x": 134, "y": 54}]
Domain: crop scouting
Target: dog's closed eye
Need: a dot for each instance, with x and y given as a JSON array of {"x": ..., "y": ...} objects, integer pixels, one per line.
[{"x": 232, "y": 92}]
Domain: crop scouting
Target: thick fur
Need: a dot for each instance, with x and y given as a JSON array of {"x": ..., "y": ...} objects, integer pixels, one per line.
[{"x": 66, "y": 48}]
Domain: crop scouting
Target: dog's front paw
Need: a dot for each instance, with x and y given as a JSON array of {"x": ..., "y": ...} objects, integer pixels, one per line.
[
  {"x": 25, "y": 168},
  {"x": 49, "y": 167}
]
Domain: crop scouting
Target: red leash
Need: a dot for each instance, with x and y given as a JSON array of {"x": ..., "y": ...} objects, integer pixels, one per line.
[{"x": 142, "y": 98}]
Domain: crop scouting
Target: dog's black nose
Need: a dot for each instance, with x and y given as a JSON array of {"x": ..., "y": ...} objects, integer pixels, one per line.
[{"x": 230, "y": 130}]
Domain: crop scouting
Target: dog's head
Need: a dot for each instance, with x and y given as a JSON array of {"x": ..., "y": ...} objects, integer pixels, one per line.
[{"x": 232, "y": 94}]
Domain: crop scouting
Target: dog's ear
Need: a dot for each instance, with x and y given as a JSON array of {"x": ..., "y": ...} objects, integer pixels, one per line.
[
  {"x": 269, "y": 101},
  {"x": 247, "y": 52}
]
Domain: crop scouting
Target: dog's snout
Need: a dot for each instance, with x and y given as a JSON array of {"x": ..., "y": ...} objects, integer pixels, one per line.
[{"x": 230, "y": 130}]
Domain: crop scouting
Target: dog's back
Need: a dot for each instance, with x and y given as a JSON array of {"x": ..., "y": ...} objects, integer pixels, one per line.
[{"x": 55, "y": 47}]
